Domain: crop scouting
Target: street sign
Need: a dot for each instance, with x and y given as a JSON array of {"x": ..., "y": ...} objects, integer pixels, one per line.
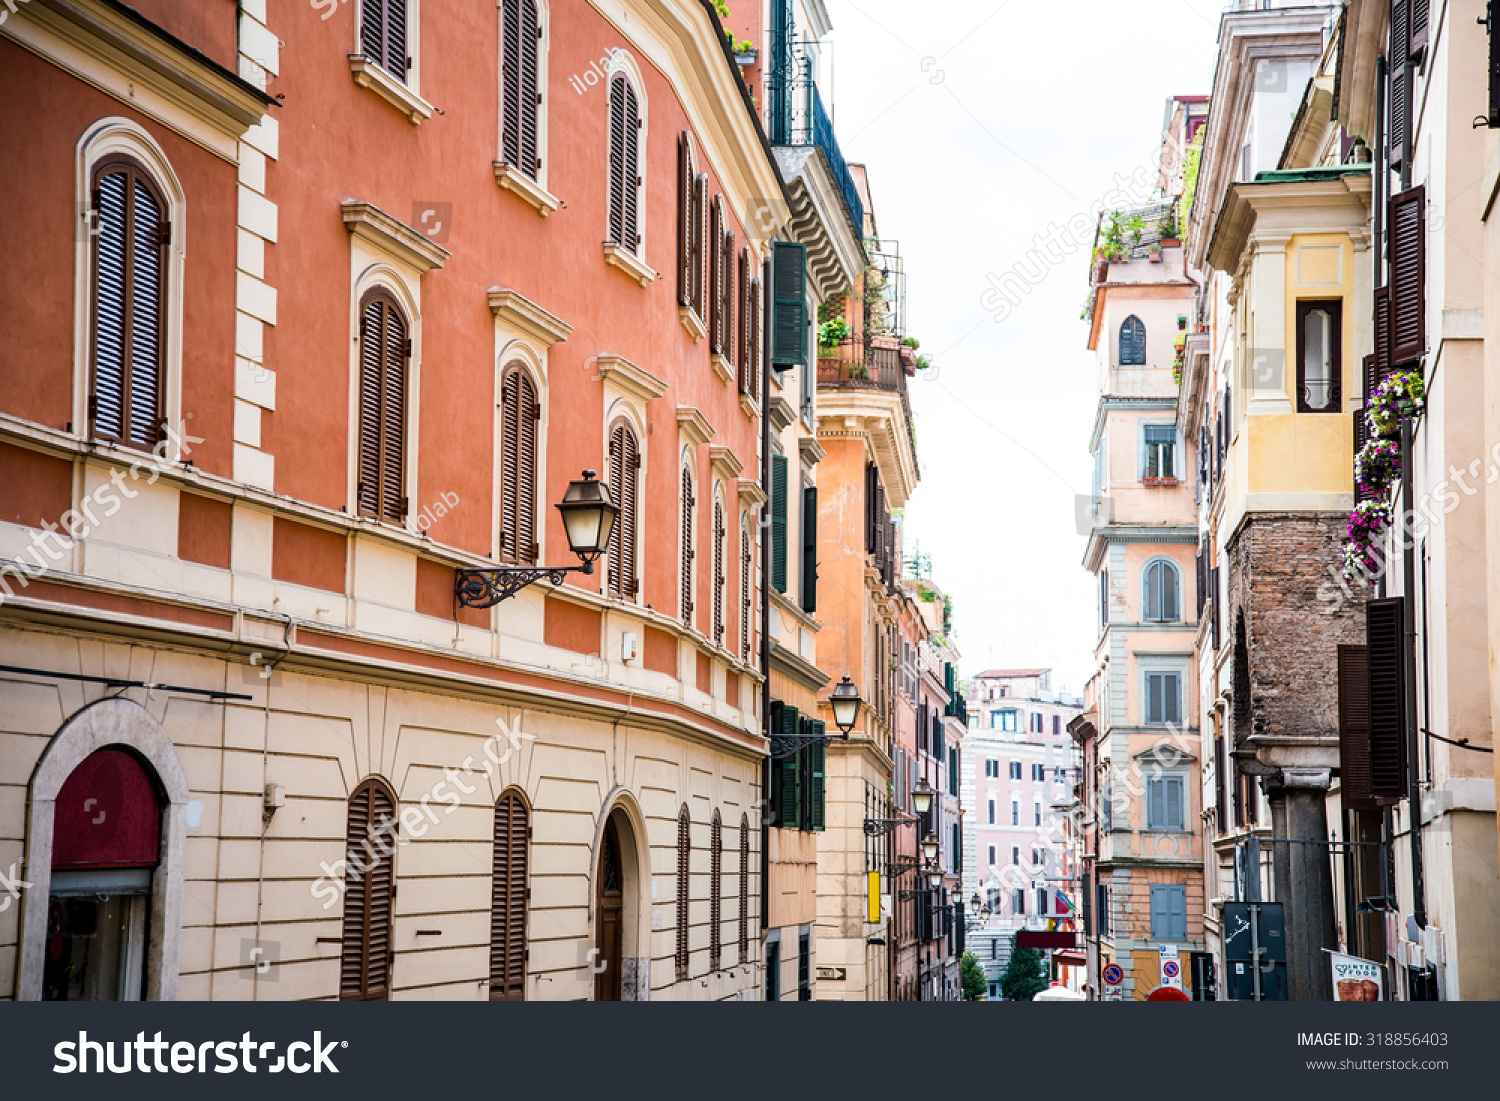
[
  {"x": 1171, "y": 967},
  {"x": 1113, "y": 975},
  {"x": 1356, "y": 980}
]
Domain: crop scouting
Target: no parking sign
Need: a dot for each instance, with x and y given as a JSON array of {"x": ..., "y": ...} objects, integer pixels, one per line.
[
  {"x": 1113, "y": 976},
  {"x": 1171, "y": 968}
]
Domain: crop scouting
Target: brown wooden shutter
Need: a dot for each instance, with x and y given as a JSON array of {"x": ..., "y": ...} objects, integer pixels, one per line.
[
  {"x": 519, "y": 414},
  {"x": 700, "y": 241},
  {"x": 1408, "y": 244},
  {"x": 384, "y": 349},
  {"x": 744, "y": 885},
  {"x": 1382, "y": 333},
  {"x": 522, "y": 95},
  {"x": 128, "y": 319},
  {"x": 687, "y": 546},
  {"x": 684, "y": 883},
  {"x": 383, "y": 35},
  {"x": 716, "y": 270},
  {"x": 508, "y": 896},
  {"x": 1354, "y": 728},
  {"x": 1385, "y": 639},
  {"x": 530, "y": 412},
  {"x": 1361, "y": 425},
  {"x": 747, "y": 321},
  {"x": 719, "y": 534},
  {"x": 617, "y": 89},
  {"x": 757, "y": 337},
  {"x": 632, "y": 170},
  {"x": 685, "y": 220},
  {"x": 729, "y": 311},
  {"x": 624, "y": 475},
  {"x": 715, "y": 892},
  {"x": 369, "y": 895},
  {"x": 746, "y": 631},
  {"x": 1401, "y": 72}
]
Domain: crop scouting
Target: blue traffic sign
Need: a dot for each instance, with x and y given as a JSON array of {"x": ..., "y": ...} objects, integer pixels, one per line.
[{"x": 1113, "y": 975}]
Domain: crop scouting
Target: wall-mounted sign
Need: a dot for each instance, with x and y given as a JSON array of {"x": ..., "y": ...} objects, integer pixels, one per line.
[{"x": 1356, "y": 980}]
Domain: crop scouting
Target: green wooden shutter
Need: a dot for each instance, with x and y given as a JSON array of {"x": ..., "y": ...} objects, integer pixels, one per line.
[
  {"x": 778, "y": 523},
  {"x": 817, "y": 773},
  {"x": 788, "y": 305},
  {"x": 788, "y": 777},
  {"x": 810, "y": 549}
]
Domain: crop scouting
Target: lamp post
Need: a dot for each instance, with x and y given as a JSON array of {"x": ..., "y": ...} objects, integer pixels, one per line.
[
  {"x": 930, "y": 846},
  {"x": 588, "y": 515},
  {"x": 921, "y": 796},
  {"x": 845, "y": 701}
]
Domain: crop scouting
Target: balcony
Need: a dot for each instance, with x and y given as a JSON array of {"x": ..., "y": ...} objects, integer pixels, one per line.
[
  {"x": 796, "y": 116},
  {"x": 873, "y": 363}
]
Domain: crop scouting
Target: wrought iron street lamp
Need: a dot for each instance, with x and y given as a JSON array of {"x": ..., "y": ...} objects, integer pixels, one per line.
[
  {"x": 934, "y": 876},
  {"x": 588, "y": 515},
  {"x": 845, "y": 701},
  {"x": 921, "y": 796},
  {"x": 930, "y": 846}
]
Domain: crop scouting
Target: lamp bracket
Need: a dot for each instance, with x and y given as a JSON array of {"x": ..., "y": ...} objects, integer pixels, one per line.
[
  {"x": 484, "y": 588},
  {"x": 879, "y": 827},
  {"x": 782, "y": 748}
]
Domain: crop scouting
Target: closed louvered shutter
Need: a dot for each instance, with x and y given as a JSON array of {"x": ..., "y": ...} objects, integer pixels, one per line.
[
  {"x": 685, "y": 252},
  {"x": 1494, "y": 59},
  {"x": 369, "y": 895},
  {"x": 131, "y": 236},
  {"x": 1401, "y": 73},
  {"x": 715, "y": 893},
  {"x": 788, "y": 304},
  {"x": 817, "y": 776},
  {"x": 1408, "y": 243},
  {"x": 872, "y": 483},
  {"x": 523, "y": 95},
  {"x": 624, "y": 166},
  {"x": 746, "y": 595},
  {"x": 757, "y": 326},
  {"x": 786, "y": 774},
  {"x": 508, "y": 894},
  {"x": 687, "y": 546},
  {"x": 383, "y": 352},
  {"x": 744, "y": 885},
  {"x": 1385, "y": 641},
  {"x": 727, "y": 263},
  {"x": 624, "y": 473},
  {"x": 519, "y": 416},
  {"x": 700, "y": 246},
  {"x": 810, "y": 549},
  {"x": 778, "y": 522},
  {"x": 1361, "y": 425},
  {"x": 684, "y": 882},
  {"x": 383, "y": 35},
  {"x": 719, "y": 580},
  {"x": 716, "y": 276},
  {"x": 747, "y": 322},
  {"x": 1354, "y": 728},
  {"x": 1382, "y": 353}
]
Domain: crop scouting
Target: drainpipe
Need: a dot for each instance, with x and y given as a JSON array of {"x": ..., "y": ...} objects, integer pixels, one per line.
[
  {"x": 765, "y": 604},
  {"x": 1409, "y": 675}
]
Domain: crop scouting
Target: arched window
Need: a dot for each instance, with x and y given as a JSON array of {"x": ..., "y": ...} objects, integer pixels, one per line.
[
  {"x": 128, "y": 322},
  {"x": 1162, "y": 590},
  {"x": 747, "y": 630},
  {"x": 384, "y": 352},
  {"x": 369, "y": 891},
  {"x": 1132, "y": 342},
  {"x": 720, "y": 534},
  {"x": 521, "y": 90},
  {"x": 744, "y": 930},
  {"x": 508, "y": 900},
  {"x": 715, "y": 892},
  {"x": 624, "y": 164},
  {"x": 624, "y": 483},
  {"x": 520, "y": 413},
  {"x": 686, "y": 564},
  {"x": 684, "y": 855}
]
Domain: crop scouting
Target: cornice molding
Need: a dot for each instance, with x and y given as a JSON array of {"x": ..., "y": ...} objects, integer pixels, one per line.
[
  {"x": 392, "y": 236},
  {"x": 636, "y": 382},
  {"x": 517, "y": 310},
  {"x": 694, "y": 425}
]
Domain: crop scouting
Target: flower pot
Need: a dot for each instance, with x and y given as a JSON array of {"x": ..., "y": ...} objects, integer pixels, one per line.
[
  {"x": 1154, "y": 257},
  {"x": 1171, "y": 242},
  {"x": 908, "y": 357},
  {"x": 747, "y": 57}
]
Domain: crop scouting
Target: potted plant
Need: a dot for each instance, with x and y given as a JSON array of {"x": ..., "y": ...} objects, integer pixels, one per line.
[
  {"x": 1167, "y": 230},
  {"x": 745, "y": 53},
  {"x": 909, "y": 346},
  {"x": 1400, "y": 395},
  {"x": 830, "y": 334}
]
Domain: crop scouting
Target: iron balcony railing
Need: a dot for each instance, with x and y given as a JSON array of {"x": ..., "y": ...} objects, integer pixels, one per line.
[
  {"x": 795, "y": 111},
  {"x": 811, "y": 126}
]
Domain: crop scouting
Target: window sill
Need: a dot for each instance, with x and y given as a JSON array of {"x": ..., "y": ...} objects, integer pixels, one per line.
[
  {"x": 692, "y": 323},
  {"x": 628, "y": 262},
  {"x": 720, "y": 363},
  {"x": 749, "y": 406},
  {"x": 369, "y": 75},
  {"x": 529, "y": 191},
  {"x": 1161, "y": 481}
]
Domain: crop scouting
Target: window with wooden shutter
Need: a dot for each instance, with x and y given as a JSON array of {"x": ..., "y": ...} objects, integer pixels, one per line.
[
  {"x": 1132, "y": 342},
  {"x": 520, "y": 414},
  {"x": 716, "y": 268},
  {"x": 1162, "y": 598},
  {"x": 684, "y": 883},
  {"x": 746, "y": 331},
  {"x": 1354, "y": 728},
  {"x": 786, "y": 773},
  {"x": 817, "y": 767},
  {"x": 778, "y": 522},
  {"x": 384, "y": 351},
  {"x": 383, "y": 35},
  {"x": 624, "y": 164},
  {"x": 788, "y": 304},
  {"x": 624, "y": 481},
  {"x": 715, "y": 893},
  {"x": 756, "y": 324},
  {"x": 521, "y": 86},
  {"x": 508, "y": 896},
  {"x": 744, "y": 885},
  {"x": 747, "y": 594},
  {"x": 1398, "y": 58},
  {"x": 720, "y": 533},
  {"x": 810, "y": 549},
  {"x": 128, "y": 322},
  {"x": 686, "y": 549},
  {"x": 687, "y": 224},
  {"x": 1408, "y": 303},
  {"x": 726, "y": 292},
  {"x": 1385, "y": 642},
  {"x": 369, "y": 893}
]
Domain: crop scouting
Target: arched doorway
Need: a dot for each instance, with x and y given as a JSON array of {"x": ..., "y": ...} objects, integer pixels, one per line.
[
  {"x": 609, "y": 911},
  {"x": 106, "y": 844}
]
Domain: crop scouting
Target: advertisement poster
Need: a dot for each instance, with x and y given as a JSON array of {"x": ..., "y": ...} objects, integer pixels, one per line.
[{"x": 1356, "y": 980}]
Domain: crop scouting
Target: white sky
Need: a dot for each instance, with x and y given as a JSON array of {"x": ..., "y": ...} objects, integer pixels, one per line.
[{"x": 1020, "y": 115}]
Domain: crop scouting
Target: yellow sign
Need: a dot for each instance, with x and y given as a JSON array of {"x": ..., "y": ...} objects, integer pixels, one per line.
[{"x": 873, "y": 902}]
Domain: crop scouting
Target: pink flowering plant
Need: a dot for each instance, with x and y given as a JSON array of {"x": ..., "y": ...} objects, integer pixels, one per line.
[
  {"x": 1383, "y": 409},
  {"x": 1377, "y": 466},
  {"x": 1367, "y": 525}
]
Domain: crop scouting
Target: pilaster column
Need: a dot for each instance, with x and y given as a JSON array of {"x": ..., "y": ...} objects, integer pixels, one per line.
[{"x": 1311, "y": 924}]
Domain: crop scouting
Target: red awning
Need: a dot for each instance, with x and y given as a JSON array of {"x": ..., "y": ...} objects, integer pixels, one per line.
[{"x": 1073, "y": 957}]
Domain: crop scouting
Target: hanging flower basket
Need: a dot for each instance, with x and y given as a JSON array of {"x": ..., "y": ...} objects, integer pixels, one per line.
[
  {"x": 1366, "y": 528},
  {"x": 1385, "y": 408},
  {"x": 1377, "y": 466}
]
